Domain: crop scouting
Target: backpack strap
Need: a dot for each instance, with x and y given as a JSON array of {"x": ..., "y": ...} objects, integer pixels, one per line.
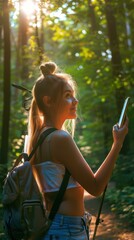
[
  {"x": 40, "y": 141},
  {"x": 60, "y": 195}
]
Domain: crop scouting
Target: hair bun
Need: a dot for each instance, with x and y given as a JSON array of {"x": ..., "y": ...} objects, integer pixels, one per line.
[{"x": 48, "y": 68}]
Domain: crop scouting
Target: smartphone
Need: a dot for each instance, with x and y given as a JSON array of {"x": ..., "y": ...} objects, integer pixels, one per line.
[{"x": 123, "y": 112}]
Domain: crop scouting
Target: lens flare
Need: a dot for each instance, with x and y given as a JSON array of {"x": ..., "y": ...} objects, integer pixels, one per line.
[{"x": 29, "y": 7}]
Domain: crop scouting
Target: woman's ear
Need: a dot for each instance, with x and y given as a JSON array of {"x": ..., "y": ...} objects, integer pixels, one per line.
[{"x": 47, "y": 101}]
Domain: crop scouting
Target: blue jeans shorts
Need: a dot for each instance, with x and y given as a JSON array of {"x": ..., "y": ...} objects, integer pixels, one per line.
[{"x": 69, "y": 228}]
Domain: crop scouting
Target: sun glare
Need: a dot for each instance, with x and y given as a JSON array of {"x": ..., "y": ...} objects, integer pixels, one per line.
[{"x": 29, "y": 7}]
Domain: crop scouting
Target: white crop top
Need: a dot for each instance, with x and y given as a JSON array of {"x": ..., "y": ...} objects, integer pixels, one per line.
[{"x": 50, "y": 174}]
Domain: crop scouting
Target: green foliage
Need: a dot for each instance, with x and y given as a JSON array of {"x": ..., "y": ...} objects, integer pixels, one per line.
[
  {"x": 123, "y": 173},
  {"x": 121, "y": 197},
  {"x": 122, "y": 202}
]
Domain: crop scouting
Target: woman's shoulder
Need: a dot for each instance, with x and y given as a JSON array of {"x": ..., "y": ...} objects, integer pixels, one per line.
[
  {"x": 59, "y": 140},
  {"x": 62, "y": 133},
  {"x": 61, "y": 136}
]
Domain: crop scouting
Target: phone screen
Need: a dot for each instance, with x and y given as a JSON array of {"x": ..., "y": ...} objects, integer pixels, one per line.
[{"x": 123, "y": 112}]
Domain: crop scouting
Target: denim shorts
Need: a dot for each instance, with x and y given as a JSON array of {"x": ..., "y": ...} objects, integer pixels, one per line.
[{"x": 68, "y": 227}]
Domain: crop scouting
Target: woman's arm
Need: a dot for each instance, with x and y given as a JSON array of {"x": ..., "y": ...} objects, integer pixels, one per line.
[
  {"x": 104, "y": 172},
  {"x": 65, "y": 151}
]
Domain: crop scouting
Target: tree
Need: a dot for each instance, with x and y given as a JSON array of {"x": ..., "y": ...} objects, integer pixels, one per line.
[
  {"x": 115, "y": 51},
  {"x": 117, "y": 69},
  {"x": 6, "y": 85},
  {"x": 0, "y": 28},
  {"x": 22, "y": 42}
]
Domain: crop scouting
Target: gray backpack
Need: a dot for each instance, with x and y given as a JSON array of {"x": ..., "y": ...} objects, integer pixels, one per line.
[{"x": 25, "y": 216}]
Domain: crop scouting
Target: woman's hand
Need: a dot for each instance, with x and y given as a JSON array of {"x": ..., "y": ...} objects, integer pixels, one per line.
[{"x": 120, "y": 133}]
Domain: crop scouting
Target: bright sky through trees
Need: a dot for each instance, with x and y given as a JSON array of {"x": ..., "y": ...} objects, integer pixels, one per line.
[
  {"x": 30, "y": 8},
  {"x": 27, "y": 6}
]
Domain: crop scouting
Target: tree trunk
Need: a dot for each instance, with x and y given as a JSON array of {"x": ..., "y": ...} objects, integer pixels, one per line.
[
  {"x": 116, "y": 60},
  {"x": 6, "y": 86},
  {"x": 102, "y": 107},
  {"x": 40, "y": 35},
  {"x": 1, "y": 20},
  {"x": 115, "y": 51},
  {"x": 92, "y": 16},
  {"x": 38, "y": 42},
  {"x": 127, "y": 27},
  {"x": 129, "y": 5},
  {"x": 22, "y": 42}
]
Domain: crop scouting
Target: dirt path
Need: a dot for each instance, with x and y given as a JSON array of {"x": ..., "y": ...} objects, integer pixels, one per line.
[{"x": 111, "y": 228}]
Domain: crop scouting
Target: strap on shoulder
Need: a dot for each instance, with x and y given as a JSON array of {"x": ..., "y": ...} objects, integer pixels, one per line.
[
  {"x": 60, "y": 195},
  {"x": 40, "y": 141}
]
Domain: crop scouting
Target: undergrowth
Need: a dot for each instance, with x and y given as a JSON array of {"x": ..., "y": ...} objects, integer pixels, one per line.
[{"x": 121, "y": 197}]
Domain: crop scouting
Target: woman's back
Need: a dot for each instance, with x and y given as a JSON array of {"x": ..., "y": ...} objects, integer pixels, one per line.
[{"x": 51, "y": 172}]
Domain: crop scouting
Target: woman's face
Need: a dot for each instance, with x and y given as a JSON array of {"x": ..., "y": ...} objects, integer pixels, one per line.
[{"x": 68, "y": 104}]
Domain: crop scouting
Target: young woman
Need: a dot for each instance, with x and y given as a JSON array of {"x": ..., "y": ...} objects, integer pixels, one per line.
[{"x": 53, "y": 103}]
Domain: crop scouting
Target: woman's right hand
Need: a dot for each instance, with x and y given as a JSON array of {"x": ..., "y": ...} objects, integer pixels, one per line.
[{"x": 120, "y": 133}]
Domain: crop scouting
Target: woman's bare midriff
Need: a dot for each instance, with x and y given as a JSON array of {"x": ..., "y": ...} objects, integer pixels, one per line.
[{"x": 72, "y": 203}]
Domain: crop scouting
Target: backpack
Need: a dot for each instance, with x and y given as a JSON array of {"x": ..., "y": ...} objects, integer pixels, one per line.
[{"x": 25, "y": 216}]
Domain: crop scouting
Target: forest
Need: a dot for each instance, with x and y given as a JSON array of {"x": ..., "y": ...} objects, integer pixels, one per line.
[{"x": 92, "y": 40}]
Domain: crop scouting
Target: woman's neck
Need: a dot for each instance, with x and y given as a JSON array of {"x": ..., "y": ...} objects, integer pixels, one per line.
[{"x": 54, "y": 124}]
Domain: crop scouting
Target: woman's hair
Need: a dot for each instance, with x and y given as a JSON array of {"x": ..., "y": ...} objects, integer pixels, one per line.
[{"x": 51, "y": 84}]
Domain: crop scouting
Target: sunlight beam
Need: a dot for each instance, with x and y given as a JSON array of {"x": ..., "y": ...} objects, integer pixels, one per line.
[{"x": 29, "y": 7}]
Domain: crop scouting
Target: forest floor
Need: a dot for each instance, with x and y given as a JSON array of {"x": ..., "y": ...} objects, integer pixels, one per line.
[{"x": 112, "y": 228}]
